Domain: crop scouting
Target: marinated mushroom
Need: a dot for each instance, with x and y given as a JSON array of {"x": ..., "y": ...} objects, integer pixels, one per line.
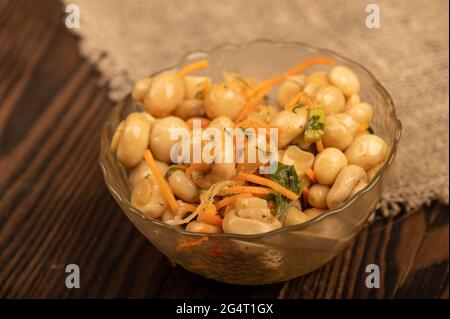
[
  {"x": 165, "y": 93},
  {"x": 223, "y": 100},
  {"x": 344, "y": 79},
  {"x": 317, "y": 196},
  {"x": 133, "y": 139},
  {"x": 354, "y": 99},
  {"x": 331, "y": 99},
  {"x": 182, "y": 185},
  {"x": 190, "y": 108},
  {"x": 141, "y": 89},
  {"x": 301, "y": 160},
  {"x": 348, "y": 178},
  {"x": 142, "y": 170},
  {"x": 234, "y": 224},
  {"x": 295, "y": 216},
  {"x": 161, "y": 142},
  {"x": 292, "y": 124},
  {"x": 289, "y": 88},
  {"x": 194, "y": 87},
  {"x": 328, "y": 164},
  {"x": 318, "y": 78},
  {"x": 361, "y": 112},
  {"x": 147, "y": 197},
  {"x": 339, "y": 131},
  {"x": 366, "y": 151}
]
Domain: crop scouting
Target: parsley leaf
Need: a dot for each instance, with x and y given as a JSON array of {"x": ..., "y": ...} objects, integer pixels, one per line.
[
  {"x": 280, "y": 201},
  {"x": 286, "y": 176}
]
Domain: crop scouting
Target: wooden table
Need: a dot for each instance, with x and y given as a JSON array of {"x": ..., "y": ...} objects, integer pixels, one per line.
[{"x": 55, "y": 209}]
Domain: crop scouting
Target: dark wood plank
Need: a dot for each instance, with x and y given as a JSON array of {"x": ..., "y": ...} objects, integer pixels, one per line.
[{"x": 55, "y": 209}]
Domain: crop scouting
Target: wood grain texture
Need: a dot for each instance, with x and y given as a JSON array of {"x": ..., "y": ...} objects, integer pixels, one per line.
[{"x": 55, "y": 209}]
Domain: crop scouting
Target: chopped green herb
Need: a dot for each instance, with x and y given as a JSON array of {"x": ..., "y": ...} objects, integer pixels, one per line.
[
  {"x": 280, "y": 201},
  {"x": 286, "y": 176},
  {"x": 315, "y": 124}
]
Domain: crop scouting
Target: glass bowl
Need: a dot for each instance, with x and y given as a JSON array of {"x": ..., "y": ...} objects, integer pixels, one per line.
[{"x": 285, "y": 253}]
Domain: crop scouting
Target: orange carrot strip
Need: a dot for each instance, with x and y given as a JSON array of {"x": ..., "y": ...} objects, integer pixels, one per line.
[
  {"x": 294, "y": 100},
  {"x": 269, "y": 183},
  {"x": 310, "y": 174},
  {"x": 202, "y": 64},
  {"x": 189, "y": 207},
  {"x": 164, "y": 186},
  {"x": 230, "y": 200},
  {"x": 251, "y": 104},
  {"x": 246, "y": 189},
  {"x": 206, "y": 86},
  {"x": 191, "y": 243},
  {"x": 305, "y": 192},
  {"x": 194, "y": 167},
  {"x": 209, "y": 216},
  {"x": 299, "y": 68},
  {"x": 319, "y": 146}
]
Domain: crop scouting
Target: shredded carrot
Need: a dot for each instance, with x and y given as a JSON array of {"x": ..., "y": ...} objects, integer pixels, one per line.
[
  {"x": 202, "y": 64},
  {"x": 299, "y": 68},
  {"x": 305, "y": 192},
  {"x": 269, "y": 183},
  {"x": 164, "y": 186},
  {"x": 363, "y": 127},
  {"x": 310, "y": 174},
  {"x": 191, "y": 243},
  {"x": 230, "y": 200},
  {"x": 189, "y": 207},
  {"x": 204, "y": 122},
  {"x": 209, "y": 216},
  {"x": 206, "y": 86},
  {"x": 246, "y": 189},
  {"x": 294, "y": 100},
  {"x": 319, "y": 146},
  {"x": 194, "y": 167},
  {"x": 251, "y": 104}
]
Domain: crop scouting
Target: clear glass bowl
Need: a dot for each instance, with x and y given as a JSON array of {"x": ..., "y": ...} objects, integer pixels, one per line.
[{"x": 285, "y": 253}]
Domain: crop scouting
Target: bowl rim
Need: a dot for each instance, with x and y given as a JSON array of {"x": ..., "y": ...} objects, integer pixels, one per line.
[{"x": 192, "y": 55}]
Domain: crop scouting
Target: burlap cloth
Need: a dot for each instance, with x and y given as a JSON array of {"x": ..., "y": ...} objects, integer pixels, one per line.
[{"x": 408, "y": 54}]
